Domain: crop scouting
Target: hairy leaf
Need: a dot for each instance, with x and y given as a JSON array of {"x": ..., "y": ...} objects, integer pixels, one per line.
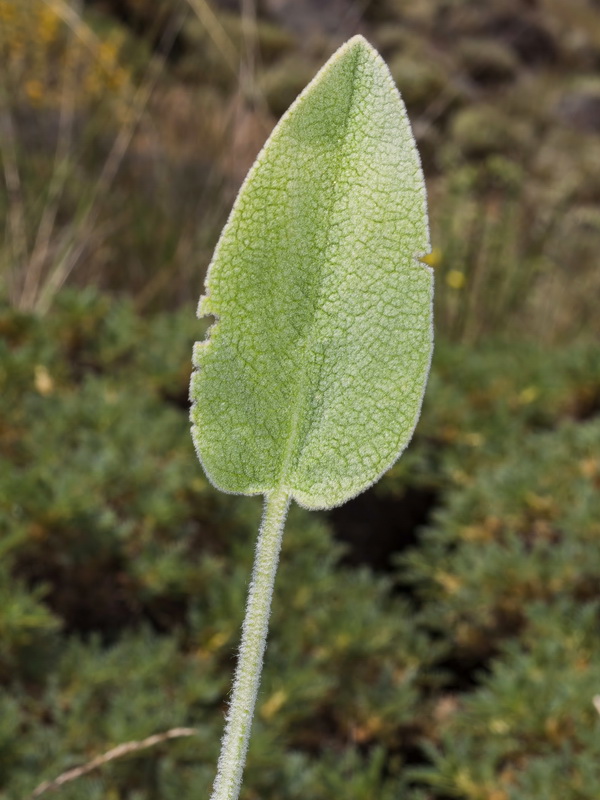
[{"x": 311, "y": 379}]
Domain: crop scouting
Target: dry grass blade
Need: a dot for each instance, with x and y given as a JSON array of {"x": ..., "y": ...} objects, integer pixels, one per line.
[
  {"x": 17, "y": 227},
  {"x": 43, "y": 241},
  {"x": 117, "y": 752},
  {"x": 71, "y": 17},
  {"x": 83, "y": 232},
  {"x": 217, "y": 32}
]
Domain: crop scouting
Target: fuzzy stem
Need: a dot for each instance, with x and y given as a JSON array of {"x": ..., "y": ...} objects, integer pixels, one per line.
[{"x": 254, "y": 639}]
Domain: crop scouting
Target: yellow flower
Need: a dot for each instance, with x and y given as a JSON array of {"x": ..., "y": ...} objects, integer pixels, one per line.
[
  {"x": 455, "y": 279},
  {"x": 43, "y": 380},
  {"x": 116, "y": 79},
  {"x": 34, "y": 90},
  {"x": 7, "y": 11},
  {"x": 273, "y": 703},
  {"x": 107, "y": 53},
  {"x": 500, "y": 726},
  {"x": 528, "y": 395},
  {"x": 48, "y": 24}
]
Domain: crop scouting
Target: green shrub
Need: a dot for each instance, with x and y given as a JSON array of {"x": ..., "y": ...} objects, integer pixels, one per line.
[
  {"x": 509, "y": 569},
  {"x": 520, "y": 531},
  {"x": 532, "y": 727},
  {"x": 126, "y": 580},
  {"x": 122, "y": 581}
]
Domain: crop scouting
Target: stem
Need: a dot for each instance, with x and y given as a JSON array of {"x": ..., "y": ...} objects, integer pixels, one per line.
[{"x": 252, "y": 649}]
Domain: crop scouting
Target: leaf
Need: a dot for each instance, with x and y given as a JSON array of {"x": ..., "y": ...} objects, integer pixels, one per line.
[{"x": 312, "y": 378}]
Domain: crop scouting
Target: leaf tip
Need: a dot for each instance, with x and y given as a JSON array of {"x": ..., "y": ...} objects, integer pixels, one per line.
[{"x": 358, "y": 45}]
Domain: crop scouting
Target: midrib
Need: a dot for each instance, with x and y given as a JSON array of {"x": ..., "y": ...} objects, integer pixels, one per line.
[{"x": 302, "y": 382}]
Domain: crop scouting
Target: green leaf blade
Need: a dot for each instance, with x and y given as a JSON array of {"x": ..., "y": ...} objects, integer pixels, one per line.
[{"x": 312, "y": 378}]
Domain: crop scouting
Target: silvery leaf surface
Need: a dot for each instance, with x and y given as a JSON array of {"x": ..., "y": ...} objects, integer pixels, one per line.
[{"x": 312, "y": 377}]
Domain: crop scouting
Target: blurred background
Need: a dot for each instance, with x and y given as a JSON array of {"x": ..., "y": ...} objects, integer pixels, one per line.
[{"x": 435, "y": 638}]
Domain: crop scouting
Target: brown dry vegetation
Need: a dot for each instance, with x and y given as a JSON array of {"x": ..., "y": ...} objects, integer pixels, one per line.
[{"x": 127, "y": 128}]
